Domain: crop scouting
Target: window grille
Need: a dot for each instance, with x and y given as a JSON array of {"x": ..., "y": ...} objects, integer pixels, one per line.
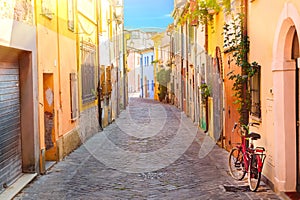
[
  {"x": 255, "y": 94},
  {"x": 71, "y": 15},
  {"x": 88, "y": 57},
  {"x": 74, "y": 95}
]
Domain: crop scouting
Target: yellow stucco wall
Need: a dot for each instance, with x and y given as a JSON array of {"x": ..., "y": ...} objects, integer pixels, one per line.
[
  {"x": 53, "y": 38},
  {"x": 87, "y": 32},
  {"x": 261, "y": 45},
  {"x": 157, "y": 42},
  {"x": 215, "y": 36}
]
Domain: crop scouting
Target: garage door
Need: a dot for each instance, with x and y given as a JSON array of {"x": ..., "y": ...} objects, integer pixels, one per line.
[{"x": 10, "y": 141}]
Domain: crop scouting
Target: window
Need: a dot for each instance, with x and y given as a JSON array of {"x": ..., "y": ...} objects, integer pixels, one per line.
[
  {"x": 152, "y": 85},
  {"x": 88, "y": 57},
  {"x": 135, "y": 35},
  {"x": 84, "y": 7},
  {"x": 48, "y": 8},
  {"x": 147, "y": 60},
  {"x": 73, "y": 91},
  {"x": 139, "y": 82},
  {"x": 255, "y": 94},
  {"x": 70, "y": 15},
  {"x": 191, "y": 34},
  {"x": 152, "y": 58}
]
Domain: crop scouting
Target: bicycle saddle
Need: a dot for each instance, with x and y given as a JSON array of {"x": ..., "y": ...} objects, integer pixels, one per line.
[{"x": 253, "y": 136}]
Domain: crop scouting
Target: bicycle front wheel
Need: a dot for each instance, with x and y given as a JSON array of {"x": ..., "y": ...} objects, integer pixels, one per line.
[
  {"x": 254, "y": 175},
  {"x": 236, "y": 164}
]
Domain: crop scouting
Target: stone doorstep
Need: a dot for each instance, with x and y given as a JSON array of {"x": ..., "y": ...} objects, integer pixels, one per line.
[{"x": 16, "y": 187}]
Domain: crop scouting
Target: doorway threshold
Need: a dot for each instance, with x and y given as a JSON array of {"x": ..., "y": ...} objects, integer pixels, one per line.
[{"x": 16, "y": 187}]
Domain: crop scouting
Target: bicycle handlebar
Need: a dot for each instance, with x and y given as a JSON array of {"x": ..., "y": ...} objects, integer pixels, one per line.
[{"x": 234, "y": 127}]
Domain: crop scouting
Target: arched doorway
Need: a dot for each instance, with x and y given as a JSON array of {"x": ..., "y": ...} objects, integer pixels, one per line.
[
  {"x": 296, "y": 57},
  {"x": 286, "y": 100}
]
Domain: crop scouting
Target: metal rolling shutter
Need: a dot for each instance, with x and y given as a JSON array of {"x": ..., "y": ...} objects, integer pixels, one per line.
[{"x": 10, "y": 132}]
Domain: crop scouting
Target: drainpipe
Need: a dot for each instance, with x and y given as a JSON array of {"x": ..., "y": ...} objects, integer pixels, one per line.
[
  {"x": 124, "y": 48},
  {"x": 57, "y": 64},
  {"x": 245, "y": 110},
  {"x": 41, "y": 147},
  {"x": 58, "y": 58},
  {"x": 142, "y": 74},
  {"x": 206, "y": 52},
  {"x": 99, "y": 89}
]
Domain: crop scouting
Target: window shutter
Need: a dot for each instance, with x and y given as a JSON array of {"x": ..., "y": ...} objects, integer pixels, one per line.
[{"x": 74, "y": 95}]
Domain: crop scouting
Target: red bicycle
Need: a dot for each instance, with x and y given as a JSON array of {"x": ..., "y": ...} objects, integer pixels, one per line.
[{"x": 246, "y": 158}]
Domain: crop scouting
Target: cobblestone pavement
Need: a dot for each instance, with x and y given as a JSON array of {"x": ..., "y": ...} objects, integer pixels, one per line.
[{"x": 152, "y": 151}]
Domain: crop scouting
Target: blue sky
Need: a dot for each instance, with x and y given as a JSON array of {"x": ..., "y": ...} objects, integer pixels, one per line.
[{"x": 148, "y": 13}]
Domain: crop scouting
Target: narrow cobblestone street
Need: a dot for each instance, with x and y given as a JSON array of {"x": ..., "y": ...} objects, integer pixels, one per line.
[{"x": 152, "y": 151}]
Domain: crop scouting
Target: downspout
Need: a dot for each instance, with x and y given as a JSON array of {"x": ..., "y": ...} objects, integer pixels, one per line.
[
  {"x": 58, "y": 58},
  {"x": 142, "y": 79},
  {"x": 42, "y": 148},
  {"x": 124, "y": 40},
  {"x": 187, "y": 71},
  {"x": 124, "y": 48},
  {"x": 245, "y": 110},
  {"x": 57, "y": 113},
  {"x": 134, "y": 72},
  {"x": 78, "y": 58},
  {"x": 99, "y": 89},
  {"x": 117, "y": 54},
  {"x": 206, "y": 53}
]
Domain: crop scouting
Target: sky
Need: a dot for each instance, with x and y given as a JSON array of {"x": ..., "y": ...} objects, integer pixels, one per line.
[{"x": 140, "y": 14}]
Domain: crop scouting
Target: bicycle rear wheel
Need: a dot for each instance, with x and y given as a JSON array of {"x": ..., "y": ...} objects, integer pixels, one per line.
[
  {"x": 236, "y": 164},
  {"x": 254, "y": 175}
]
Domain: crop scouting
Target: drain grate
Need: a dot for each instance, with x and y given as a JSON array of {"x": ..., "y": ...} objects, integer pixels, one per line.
[{"x": 234, "y": 188}]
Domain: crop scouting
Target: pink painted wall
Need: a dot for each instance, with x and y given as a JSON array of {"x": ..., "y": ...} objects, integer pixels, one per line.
[
  {"x": 270, "y": 47},
  {"x": 133, "y": 62}
]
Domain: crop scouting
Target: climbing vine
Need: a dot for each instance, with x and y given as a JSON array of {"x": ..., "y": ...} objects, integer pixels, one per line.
[
  {"x": 205, "y": 91},
  {"x": 163, "y": 78},
  {"x": 238, "y": 44},
  {"x": 204, "y": 10}
]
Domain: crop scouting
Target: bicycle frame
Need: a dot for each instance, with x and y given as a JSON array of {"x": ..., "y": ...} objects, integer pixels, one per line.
[
  {"x": 248, "y": 151},
  {"x": 260, "y": 156},
  {"x": 245, "y": 158},
  {"x": 243, "y": 148}
]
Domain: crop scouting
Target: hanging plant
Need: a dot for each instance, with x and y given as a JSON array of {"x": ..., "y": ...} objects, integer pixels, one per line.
[
  {"x": 205, "y": 10},
  {"x": 226, "y": 5},
  {"x": 205, "y": 91}
]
